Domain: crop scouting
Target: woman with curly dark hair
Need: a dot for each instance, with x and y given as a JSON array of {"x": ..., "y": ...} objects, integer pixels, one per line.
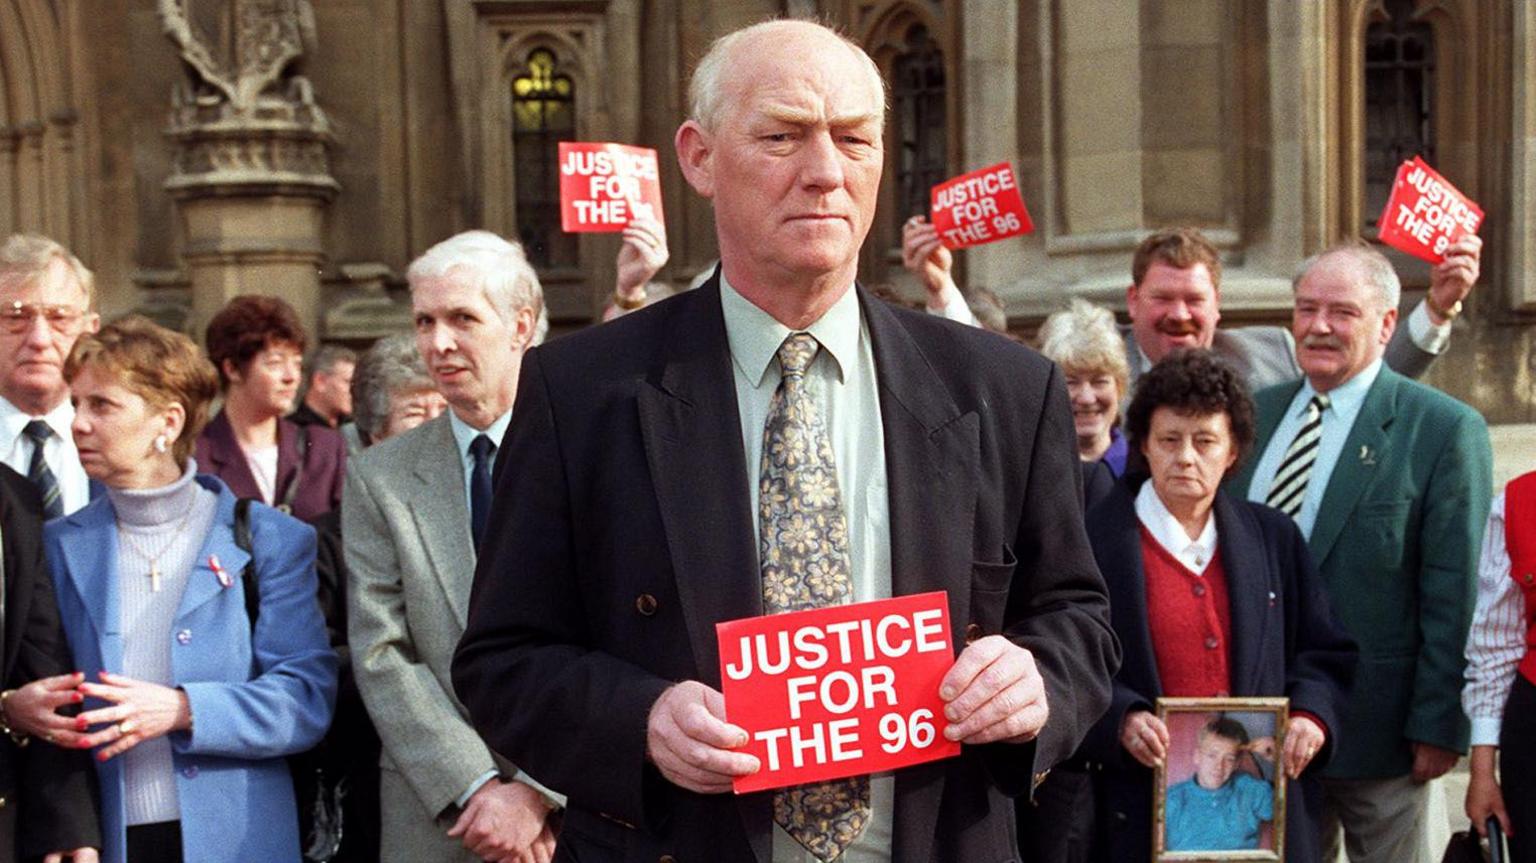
[
  {"x": 257, "y": 345},
  {"x": 1211, "y": 596}
]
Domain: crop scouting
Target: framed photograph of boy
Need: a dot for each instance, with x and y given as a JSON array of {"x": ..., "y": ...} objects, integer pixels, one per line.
[{"x": 1218, "y": 795}]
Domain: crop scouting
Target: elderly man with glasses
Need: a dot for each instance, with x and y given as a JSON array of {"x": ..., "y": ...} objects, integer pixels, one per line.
[{"x": 46, "y": 302}]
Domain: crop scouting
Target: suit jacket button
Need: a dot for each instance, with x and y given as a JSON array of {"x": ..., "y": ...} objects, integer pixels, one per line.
[
  {"x": 1530, "y": 577},
  {"x": 189, "y": 772},
  {"x": 1211, "y": 643},
  {"x": 2, "y": 802},
  {"x": 646, "y": 604},
  {"x": 184, "y": 637},
  {"x": 972, "y": 632},
  {"x": 665, "y": 858}
]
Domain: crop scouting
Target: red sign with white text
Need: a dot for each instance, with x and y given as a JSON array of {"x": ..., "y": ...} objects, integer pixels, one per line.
[
  {"x": 839, "y": 691},
  {"x": 980, "y": 207},
  {"x": 1425, "y": 213},
  {"x": 604, "y": 186}
]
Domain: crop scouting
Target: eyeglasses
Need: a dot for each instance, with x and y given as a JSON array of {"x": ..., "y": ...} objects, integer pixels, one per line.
[{"x": 17, "y": 317}]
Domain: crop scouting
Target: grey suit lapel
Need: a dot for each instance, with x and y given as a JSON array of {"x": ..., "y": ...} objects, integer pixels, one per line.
[{"x": 442, "y": 514}]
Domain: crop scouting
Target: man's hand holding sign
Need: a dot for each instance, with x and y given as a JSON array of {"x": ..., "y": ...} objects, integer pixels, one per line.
[
  {"x": 842, "y": 691},
  {"x": 1430, "y": 219}
]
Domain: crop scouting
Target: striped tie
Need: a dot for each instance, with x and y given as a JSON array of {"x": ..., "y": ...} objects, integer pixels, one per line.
[
  {"x": 47, "y": 484},
  {"x": 1290, "y": 486}
]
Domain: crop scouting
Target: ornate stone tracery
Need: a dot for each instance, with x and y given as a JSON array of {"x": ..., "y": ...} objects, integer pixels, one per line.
[{"x": 252, "y": 148}]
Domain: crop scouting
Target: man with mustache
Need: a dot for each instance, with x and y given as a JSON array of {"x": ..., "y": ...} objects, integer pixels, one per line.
[
  {"x": 1404, "y": 471},
  {"x": 1174, "y": 301}
]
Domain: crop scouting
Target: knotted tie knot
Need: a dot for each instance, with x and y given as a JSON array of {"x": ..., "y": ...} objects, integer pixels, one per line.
[{"x": 797, "y": 353}]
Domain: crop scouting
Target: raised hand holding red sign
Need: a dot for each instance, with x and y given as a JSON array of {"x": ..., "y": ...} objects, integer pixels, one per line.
[
  {"x": 838, "y": 691},
  {"x": 980, "y": 207},
  {"x": 1425, "y": 214},
  {"x": 604, "y": 186}
]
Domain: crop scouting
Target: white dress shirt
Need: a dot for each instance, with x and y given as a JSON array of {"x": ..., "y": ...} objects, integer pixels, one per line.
[
  {"x": 955, "y": 309},
  {"x": 842, "y": 380},
  {"x": 1496, "y": 641},
  {"x": 1166, "y": 530},
  {"x": 1344, "y": 403},
  {"x": 59, "y": 451}
]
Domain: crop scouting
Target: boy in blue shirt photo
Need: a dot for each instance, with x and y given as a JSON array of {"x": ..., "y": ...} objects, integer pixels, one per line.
[{"x": 1219, "y": 808}]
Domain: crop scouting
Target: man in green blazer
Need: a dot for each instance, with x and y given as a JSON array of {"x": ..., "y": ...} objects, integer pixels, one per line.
[{"x": 1391, "y": 482}]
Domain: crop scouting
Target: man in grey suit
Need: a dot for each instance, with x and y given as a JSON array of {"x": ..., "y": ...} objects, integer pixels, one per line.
[
  {"x": 1174, "y": 301},
  {"x": 412, "y": 516}
]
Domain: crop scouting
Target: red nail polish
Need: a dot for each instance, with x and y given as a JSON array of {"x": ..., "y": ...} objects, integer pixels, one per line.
[
  {"x": 78, "y": 698},
  {"x": 81, "y": 724},
  {"x": 101, "y": 756},
  {"x": 82, "y": 744}
]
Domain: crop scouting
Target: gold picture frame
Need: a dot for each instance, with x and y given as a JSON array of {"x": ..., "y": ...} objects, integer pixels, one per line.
[{"x": 1218, "y": 741}]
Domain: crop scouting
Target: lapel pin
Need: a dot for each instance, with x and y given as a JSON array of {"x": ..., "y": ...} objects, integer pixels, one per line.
[
  {"x": 218, "y": 570},
  {"x": 1367, "y": 457}
]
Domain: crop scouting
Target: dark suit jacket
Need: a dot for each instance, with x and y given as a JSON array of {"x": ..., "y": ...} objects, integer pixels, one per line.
[
  {"x": 622, "y": 533},
  {"x": 324, "y": 464},
  {"x": 1397, "y": 539},
  {"x": 1285, "y": 642},
  {"x": 51, "y": 792}
]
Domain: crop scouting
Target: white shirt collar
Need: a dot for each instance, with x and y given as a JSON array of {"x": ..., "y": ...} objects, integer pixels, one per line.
[
  {"x": 13, "y": 419},
  {"x": 464, "y": 434},
  {"x": 754, "y": 335},
  {"x": 1344, "y": 400},
  {"x": 1168, "y": 533}
]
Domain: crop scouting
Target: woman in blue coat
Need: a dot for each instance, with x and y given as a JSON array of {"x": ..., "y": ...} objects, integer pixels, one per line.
[{"x": 192, "y": 699}]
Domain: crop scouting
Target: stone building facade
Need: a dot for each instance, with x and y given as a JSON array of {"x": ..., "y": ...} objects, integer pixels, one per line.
[{"x": 194, "y": 149}]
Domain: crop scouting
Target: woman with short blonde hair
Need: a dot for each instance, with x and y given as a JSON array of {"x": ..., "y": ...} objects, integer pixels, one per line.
[
  {"x": 1085, "y": 342},
  {"x": 190, "y": 671}
]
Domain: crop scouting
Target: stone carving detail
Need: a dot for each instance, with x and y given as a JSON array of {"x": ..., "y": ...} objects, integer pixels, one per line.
[{"x": 245, "y": 116}]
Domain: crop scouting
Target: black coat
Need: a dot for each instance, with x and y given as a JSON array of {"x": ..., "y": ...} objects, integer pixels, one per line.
[
  {"x": 622, "y": 533},
  {"x": 49, "y": 793},
  {"x": 1285, "y": 642}
]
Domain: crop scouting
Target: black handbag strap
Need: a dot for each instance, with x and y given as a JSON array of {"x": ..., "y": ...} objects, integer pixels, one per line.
[
  {"x": 292, "y": 491},
  {"x": 248, "y": 574}
]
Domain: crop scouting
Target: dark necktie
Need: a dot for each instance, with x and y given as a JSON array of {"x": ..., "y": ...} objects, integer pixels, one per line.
[
  {"x": 483, "y": 452},
  {"x": 38, "y": 471},
  {"x": 805, "y": 563},
  {"x": 1289, "y": 489}
]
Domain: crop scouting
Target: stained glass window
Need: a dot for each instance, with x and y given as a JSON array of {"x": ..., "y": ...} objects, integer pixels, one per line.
[{"x": 543, "y": 114}]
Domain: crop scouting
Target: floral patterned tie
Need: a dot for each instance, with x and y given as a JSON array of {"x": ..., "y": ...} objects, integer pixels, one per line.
[{"x": 804, "y": 557}]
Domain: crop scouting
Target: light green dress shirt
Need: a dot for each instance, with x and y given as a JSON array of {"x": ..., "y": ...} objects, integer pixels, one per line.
[{"x": 842, "y": 379}]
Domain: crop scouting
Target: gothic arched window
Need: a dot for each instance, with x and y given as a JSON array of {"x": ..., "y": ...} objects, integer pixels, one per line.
[
  {"x": 918, "y": 123},
  {"x": 543, "y": 113},
  {"x": 1399, "y": 99}
]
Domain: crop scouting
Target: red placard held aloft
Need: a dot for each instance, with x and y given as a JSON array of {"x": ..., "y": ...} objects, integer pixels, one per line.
[
  {"x": 980, "y": 207},
  {"x": 604, "y": 186},
  {"x": 839, "y": 691},
  {"x": 1425, "y": 213}
]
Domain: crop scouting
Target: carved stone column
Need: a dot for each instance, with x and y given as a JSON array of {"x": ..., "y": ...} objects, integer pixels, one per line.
[{"x": 251, "y": 175}]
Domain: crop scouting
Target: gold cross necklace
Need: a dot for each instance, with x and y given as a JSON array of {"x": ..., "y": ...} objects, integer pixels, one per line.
[{"x": 129, "y": 541}]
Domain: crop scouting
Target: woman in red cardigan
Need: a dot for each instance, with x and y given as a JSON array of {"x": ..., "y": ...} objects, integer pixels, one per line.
[{"x": 1211, "y": 596}]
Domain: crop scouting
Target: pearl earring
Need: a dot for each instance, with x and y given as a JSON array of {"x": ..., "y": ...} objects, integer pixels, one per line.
[{"x": 161, "y": 442}]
